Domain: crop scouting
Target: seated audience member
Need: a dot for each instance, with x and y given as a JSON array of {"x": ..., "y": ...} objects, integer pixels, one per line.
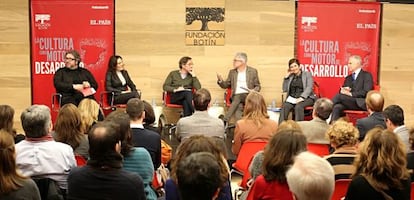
[
  {"x": 381, "y": 171},
  {"x": 315, "y": 129},
  {"x": 89, "y": 110},
  {"x": 197, "y": 175},
  {"x": 103, "y": 176},
  {"x": 200, "y": 122},
  {"x": 298, "y": 86},
  {"x": 410, "y": 155},
  {"x": 180, "y": 84},
  {"x": 278, "y": 156},
  {"x": 142, "y": 137},
  {"x": 6, "y": 122},
  {"x": 136, "y": 159},
  {"x": 240, "y": 79},
  {"x": 119, "y": 82},
  {"x": 149, "y": 119},
  {"x": 375, "y": 104},
  {"x": 255, "y": 124},
  {"x": 198, "y": 143},
  {"x": 13, "y": 184},
  {"x": 343, "y": 137},
  {"x": 73, "y": 81},
  {"x": 311, "y": 178},
  {"x": 68, "y": 130},
  {"x": 51, "y": 159},
  {"x": 354, "y": 90},
  {"x": 394, "y": 119}
]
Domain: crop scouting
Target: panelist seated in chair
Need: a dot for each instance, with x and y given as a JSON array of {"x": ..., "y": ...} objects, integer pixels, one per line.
[
  {"x": 180, "y": 84},
  {"x": 119, "y": 82},
  {"x": 74, "y": 82},
  {"x": 298, "y": 86},
  {"x": 241, "y": 79},
  {"x": 354, "y": 90}
]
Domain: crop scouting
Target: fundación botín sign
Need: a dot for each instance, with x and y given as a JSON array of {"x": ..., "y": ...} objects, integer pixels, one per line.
[{"x": 204, "y": 22}]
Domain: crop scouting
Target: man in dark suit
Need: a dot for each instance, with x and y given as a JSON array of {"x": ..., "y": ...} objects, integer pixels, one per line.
[
  {"x": 394, "y": 119},
  {"x": 375, "y": 104},
  {"x": 240, "y": 79},
  {"x": 353, "y": 92},
  {"x": 142, "y": 137}
]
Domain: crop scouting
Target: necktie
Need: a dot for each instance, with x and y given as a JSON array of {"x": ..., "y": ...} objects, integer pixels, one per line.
[{"x": 353, "y": 76}]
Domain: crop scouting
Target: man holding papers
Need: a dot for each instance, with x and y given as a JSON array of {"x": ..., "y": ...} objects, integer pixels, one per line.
[{"x": 241, "y": 79}]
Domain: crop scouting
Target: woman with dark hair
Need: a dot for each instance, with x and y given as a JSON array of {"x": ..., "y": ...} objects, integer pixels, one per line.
[
  {"x": 149, "y": 117},
  {"x": 6, "y": 122},
  {"x": 12, "y": 184},
  {"x": 279, "y": 155},
  {"x": 298, "y": 86},
  {"x": 381, "y": 171},
  {"x": 119, "y": 82}
]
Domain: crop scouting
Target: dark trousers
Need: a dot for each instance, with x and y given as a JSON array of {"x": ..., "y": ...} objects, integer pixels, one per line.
[
  {"x": 298, "y": 108},
  {"x": 343, "y": 102},
  {"x": 236, "y": 107},
  {"x": 123, "y": 98},
  {"x": 184, "y": 98}
]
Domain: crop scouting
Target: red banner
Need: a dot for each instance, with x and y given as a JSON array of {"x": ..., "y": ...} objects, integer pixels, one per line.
[
  {"x": 328, "y": 33},
  {"x": 58, "y": 26}
]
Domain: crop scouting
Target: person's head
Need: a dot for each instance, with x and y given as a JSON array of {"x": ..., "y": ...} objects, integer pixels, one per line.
[
  {"x": 197, "y": 177},
  {"x": 322, "y": 108},
  {"x": 394, "y": 116},
  {"x": 374, "y": 101},
  {"x": 36, "y": 121},
  {"x": 411, "y": 138},
  {"x": 72, "y": 59},
  {"x": 255, "y": 107},
  {"x": 186, "y": 63},
  {"x": 311, "y": 177},
  {"x": 342, "y": 134},
  {"x": 68, "y": 125},
  {"x": 294, "y": 66},
  {"x": 115, "y": 63},
  {"x": 89, "y": 111},
  {"x": 135, "y": 109},
  {"x": 6, "y": 116},
  {"x": 201, "y": 99},
  {"x": 289, "y": 125},
  {"x": 280, "y": 152},
  {"x": 121, "y": 119},
  {"x": 240, "y": 60},
  {"x": 382, "y": 159},
  {"x": 149, "y": 113},
  {"x": 354, "y": 63},
  {"x": 104, "y": 145}
]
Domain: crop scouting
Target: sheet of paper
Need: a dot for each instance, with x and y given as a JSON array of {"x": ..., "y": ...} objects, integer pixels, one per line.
[{"x": 291, "y": 100}]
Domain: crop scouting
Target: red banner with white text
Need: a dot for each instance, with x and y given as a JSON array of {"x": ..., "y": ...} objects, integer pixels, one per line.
[
  {"x": 328, "y": 33},
  {"x": 57, "y": 26}
]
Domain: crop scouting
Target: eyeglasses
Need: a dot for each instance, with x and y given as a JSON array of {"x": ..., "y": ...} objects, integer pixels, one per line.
[
  {"x": 235, "y": 60},
  {"x": 71, "y": 59}
]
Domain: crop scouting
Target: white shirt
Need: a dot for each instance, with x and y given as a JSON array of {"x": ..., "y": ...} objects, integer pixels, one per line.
[
  {"x": 357, "y": 72},
  {"x": 121, "y": 77},
  {"x": 241, "y": 82}
]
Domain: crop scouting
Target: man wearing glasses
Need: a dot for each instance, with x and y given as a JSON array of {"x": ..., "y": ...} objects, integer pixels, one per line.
[
  {"x": 74, "y": 82},
  {"x": 241, "y": 79}
]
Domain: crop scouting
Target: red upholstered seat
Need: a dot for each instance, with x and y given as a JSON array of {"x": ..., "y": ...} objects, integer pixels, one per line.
[{"x": 341, "y": 186}]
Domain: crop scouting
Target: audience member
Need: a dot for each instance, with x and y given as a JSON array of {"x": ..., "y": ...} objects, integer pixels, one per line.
[
  {"x": 394, "y": 119},
  {"x": 68, "y": 130},
  {"x": 200, "y": 122},
  {"x": 136, "y": 159},
  {"x": 197, "y": 175},
  {"x": 13, "y": 184},
  {"x": 241, "y": 79},
  {"x": 289, "y": 125},
  {"x": 255, "y": 124},
  {"x": 315, "y": 129},
  {"x": 354, "y": 90},
  {"x": 375, "y": 104},
  {"x": 381, "y": 171},
  {"x": 311, "y": 178},
  {"x": 39, "y": 156},
  {"x": 89, "y": 111},
  {"x": 343, "y": 137},
  {"x": 410, "y": 155},
  {"x": 103, "y": 176},
  {"x": 149, "y": 119},
  {"x": 142, "y": 137},
  {"x": 74, "y": 82},
  {"x": 298, "y": 86},
  {"x": 181, "y": 83},
  {"x": 6, "y": 122},
  {"x": 119, "y": 82},
  {"x": 278, "y": 156}
]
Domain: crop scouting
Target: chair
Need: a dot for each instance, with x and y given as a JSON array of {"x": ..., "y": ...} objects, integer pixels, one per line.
[
  {"x": 170, "y": 115},
  {"x": 341, "y": 186},
  {"x": 49, "y": 190},
  {"x": 56, "y": 101},
  {"x": 354, "y": 115},
  {"x": 80, "y": 160},
  {"x": 106, "y": 101},
  {"x": 412, "y": 190},
  {"x": 318, "y": 149},
  {"x": 227, "y": 97},
  {"x": 309, "y": 109}
]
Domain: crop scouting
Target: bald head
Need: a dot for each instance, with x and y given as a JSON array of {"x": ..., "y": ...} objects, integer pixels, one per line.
[{"x": 374, "y": 101}]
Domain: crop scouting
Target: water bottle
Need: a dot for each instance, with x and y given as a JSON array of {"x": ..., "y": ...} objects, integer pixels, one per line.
[
  {"x": 153, "y": 103},
  {"x": 273, "y": 103}
]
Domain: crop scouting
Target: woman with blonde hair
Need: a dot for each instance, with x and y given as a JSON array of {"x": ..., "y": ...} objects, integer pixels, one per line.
[
  {"x": 68, "y": 130},
  {"x": 12, "y": 184},
  {"x": 381, "y": 171},
  {"x": 255, "y": 124},
  {"x": 89, "y": 111}
]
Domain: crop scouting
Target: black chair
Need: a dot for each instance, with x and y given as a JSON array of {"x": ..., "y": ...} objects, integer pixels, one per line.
[{"x": 49, "y": 190}]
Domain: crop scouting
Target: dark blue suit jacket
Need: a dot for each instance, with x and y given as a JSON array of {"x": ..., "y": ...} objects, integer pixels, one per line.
[
  {"x": 360, "y": 87},
  {"x": 367, "y": 123},
  {"x": 151, "y": 141}
]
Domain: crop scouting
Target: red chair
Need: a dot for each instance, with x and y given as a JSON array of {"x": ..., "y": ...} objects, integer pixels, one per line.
[
  {"x": 309, "y": 109},
  {"x": 412, "y": 191},
  {"x": 354, "y": 115},
  {"x": 318, "y": 149},
  {"x": 106, "y": 101},
  {"x": 80, "y": 160},
  {"x": 341, "y": 186},
  {"x": 227, "y": 97},
  {"x": 56, "y": 101}
]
